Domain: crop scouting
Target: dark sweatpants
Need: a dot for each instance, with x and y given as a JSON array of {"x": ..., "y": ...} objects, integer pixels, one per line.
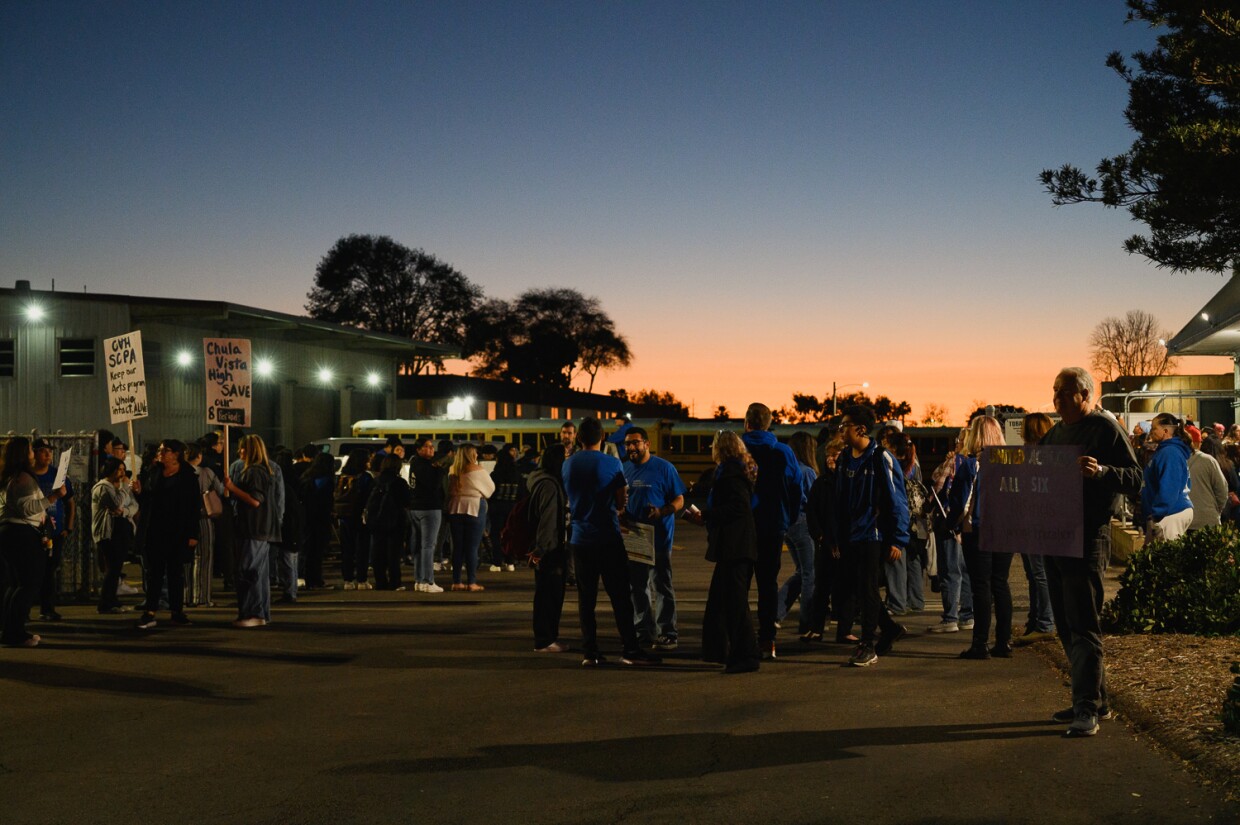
[
  {"x": 865, "y": 561},
  {"x": 607, "y": 560},
  {"x": 548, "y": 597},
  {"x": 766, "y": 572},
  {"x": 163, "y": 560},
  {"x": 727, "y": 629},
  {"x": 1076, "y": 600},
  {"x": 23, "y": 558}
]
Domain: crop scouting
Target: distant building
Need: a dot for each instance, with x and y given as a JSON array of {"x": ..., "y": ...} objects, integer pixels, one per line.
[
  {"x": 311, "y": 379},
  {"x": 460, "y": 396},
  {"x": 1205, "y": 398}
]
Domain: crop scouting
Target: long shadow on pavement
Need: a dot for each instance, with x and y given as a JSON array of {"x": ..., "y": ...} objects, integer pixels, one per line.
[
  {"x": 128, "y": 683},
  {"x": 687, "y": 756}
]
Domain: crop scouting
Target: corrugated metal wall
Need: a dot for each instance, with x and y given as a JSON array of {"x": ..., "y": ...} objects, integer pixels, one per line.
[{"x": 36, "y": 398}]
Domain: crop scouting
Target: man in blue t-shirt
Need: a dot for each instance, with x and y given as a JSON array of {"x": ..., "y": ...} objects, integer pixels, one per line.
[
  {"x": 656, "y": 495},
  {"x": 594, "y": 482},
  {"x": 62, "y": 513}
]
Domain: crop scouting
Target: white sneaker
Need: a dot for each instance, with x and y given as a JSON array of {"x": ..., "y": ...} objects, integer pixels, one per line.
[
  {"x": 431, "y": 588},
  {"x": 944, "y": 627},
  {"x": 301, "y": 582},
  {"x": 365, "y": 586},
  {"x": 437, "y": 567},
  {"x": 511, "y": 568},
  {"x": 350, "y": 586},
  {"x": 126, "y": 589},
  {"x": 967, "y": 624},
  {"x": 495, "y": 568}
]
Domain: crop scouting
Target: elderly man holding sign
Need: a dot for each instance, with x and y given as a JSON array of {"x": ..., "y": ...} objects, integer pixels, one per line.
[{"x": 1109, "y": 469}]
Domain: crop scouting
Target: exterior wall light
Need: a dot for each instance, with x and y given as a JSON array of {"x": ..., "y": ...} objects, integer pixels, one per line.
[
  {"x": 373, "y": 379},
  {"x": 325, "y": 375},
  {"x": 264, "y": 367},
  {"x": 34, "y": 312},
  {"x": 184, "y": 359}
]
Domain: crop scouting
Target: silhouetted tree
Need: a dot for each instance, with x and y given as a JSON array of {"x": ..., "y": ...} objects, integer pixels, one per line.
[
  {"x": 1179, "y": 176},
  {"x": 373, "y": 282},
  {"x": 1132, "y": 345}
]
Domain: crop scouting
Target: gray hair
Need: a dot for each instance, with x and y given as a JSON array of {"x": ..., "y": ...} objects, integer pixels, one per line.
[{"x": 1084, "y": 381}]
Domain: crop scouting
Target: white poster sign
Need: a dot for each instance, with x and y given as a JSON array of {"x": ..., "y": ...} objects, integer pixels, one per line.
[
  {"x": 126, "y": 377},
  {"x": 227, "y": 362}
]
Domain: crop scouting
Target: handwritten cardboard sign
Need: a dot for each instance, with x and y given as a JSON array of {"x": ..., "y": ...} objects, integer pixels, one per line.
[
  {"x": 1032, "y": 501},
  {"x": 227, "y": 363},
  {"x": 126, "y": 377}
]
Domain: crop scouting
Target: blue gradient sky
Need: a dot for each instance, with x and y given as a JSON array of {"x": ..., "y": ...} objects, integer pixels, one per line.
[{"x": 766, "y": 197}]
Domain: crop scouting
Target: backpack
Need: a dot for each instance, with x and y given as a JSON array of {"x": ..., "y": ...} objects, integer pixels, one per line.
[
  {"x": 520, "y": 530},
  {"x": 347, "y": 497},
  {"x": 384, "y": 513}
]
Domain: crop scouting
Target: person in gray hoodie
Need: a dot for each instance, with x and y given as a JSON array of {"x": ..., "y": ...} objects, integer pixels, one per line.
[
  {"x": 1207, "y": 485},
  {"x": 548, "y": 510}
]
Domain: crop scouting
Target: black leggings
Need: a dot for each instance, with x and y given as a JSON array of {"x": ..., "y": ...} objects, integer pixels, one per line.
[{"x": 988, "y": 577}]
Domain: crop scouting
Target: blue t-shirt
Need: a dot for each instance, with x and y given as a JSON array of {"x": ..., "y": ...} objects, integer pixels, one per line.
[
  {"x": 45, "y": 484},
  {"x": 654, "y": 484},
  {"x": 591, "y": 478}
]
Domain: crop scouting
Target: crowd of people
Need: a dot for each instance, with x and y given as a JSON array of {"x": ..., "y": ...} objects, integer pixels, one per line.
[{"x": 864, "y": 529}]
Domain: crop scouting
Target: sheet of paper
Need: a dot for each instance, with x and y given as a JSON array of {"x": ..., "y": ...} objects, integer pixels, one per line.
[
  {"x": 639, "y": 543},
  {"x": 62, "y": 471}
]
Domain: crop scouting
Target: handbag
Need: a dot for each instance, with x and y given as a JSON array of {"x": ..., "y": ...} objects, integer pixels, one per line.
[{"x": 211, "y": 504}]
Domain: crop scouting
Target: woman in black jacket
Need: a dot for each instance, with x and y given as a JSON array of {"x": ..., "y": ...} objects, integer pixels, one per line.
[
  {"x": 315, "y": 489},
  {"x": 170, "y": 510},
  {"x": 732, "y": 544},
  {"x": 387, "y": 520},
  {"x": 549, "y": 556}
]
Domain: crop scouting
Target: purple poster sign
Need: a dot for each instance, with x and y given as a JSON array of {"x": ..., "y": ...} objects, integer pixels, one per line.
[{"x": 1032, "y": 500}]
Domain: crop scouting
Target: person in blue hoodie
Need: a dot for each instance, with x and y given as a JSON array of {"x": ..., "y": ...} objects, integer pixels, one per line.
[
  {"x": 779, "y": 502},
  {"x": 870, "y": 527},
  {"x": 1164, "y": 498}
]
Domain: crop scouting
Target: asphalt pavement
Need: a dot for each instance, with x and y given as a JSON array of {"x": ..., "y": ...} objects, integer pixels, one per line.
[{"x": 409, "y": 707}]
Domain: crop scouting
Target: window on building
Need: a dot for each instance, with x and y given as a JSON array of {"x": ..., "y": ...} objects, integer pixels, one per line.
[
  {"x": 8, "y": 357},
  {"x": 152, "y": 358},
  {"x": 77, "y": 357}
]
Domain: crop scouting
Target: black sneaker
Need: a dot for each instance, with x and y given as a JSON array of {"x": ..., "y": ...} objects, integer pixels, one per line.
[
  {"x": 1068, "y": 715},
  {"x": 51, "y": 616},
  {"x": 181, "y": 620},
  {"x": 592, "y": 660},
  {"x": 977, "y": 653},
  {"x": 768, "y": 652},
  {"x": 146, "y": 622},
  {"x": 863, "y": 656},
  {"x": 640, "y": 657},
  {"x": 666, "y": 643},
  {"x": 885, "y": 643},
  {"x": 1001, "y": 651}
]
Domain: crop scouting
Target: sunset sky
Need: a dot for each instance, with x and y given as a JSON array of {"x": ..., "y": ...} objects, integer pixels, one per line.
[{"x": 766, "y": 197}]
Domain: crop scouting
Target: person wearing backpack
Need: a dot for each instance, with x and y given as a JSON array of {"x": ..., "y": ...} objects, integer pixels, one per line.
[
  {"x": 387, "y": 519},
  {"x": 352, "y": 490},
  {"x": 870, "y": 527},
  {"x": 547, "y": 508}
]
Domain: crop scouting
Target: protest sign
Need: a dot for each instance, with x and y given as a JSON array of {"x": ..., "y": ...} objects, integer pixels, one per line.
[
  {"x": 1031, "y": 501},
  {"x": 227, "y": 363},
  {"x": 126, "y": 377},
  {"x": 62, "y": 469}
]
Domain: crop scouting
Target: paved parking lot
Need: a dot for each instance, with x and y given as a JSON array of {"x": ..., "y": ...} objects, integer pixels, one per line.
[{"x": 404, "y": 707}]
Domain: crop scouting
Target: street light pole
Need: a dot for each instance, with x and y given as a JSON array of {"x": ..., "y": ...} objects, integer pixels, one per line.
[{"x": 834, "y": 412}]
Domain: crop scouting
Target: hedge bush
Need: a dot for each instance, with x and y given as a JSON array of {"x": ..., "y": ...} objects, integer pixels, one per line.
[{"x": 1190, "y": 585}]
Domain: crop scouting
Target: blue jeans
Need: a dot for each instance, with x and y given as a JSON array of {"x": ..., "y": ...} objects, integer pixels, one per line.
[
  {"x": 423, "y": 533},
  {"x": 661, "y": 620},
  {"x": 1040, "y": 618},
  {"x": 253, "y": 584},
  {"x": 801, "y": 548},
  {"x": 954, "y": 580},
  {"x": 905, "y": 579},
  {"x": 466, "y": 536}
]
